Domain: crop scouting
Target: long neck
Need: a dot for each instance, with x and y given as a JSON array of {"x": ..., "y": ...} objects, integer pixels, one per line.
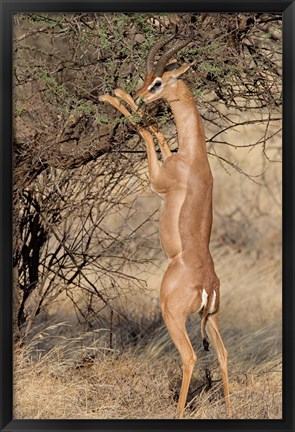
[{"x": 190, "y": 129}]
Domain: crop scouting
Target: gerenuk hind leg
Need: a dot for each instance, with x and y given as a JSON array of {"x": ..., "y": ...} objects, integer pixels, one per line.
[{"x": 213, "y": 333}]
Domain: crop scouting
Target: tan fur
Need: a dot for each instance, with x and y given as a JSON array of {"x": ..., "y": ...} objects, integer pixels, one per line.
[{"x": 184, "y": 182}]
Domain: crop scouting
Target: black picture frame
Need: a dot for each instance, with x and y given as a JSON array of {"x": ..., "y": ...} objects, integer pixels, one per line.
[{"x": 6, "y": 414}]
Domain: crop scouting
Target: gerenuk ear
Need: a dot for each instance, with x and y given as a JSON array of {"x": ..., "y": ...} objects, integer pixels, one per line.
[
  {"x": 175, "y": 73},
  {"x": 171, "y": 66}
]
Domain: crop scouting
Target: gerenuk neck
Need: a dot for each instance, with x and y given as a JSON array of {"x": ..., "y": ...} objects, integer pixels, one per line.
[{"x": 190, "y": 129}]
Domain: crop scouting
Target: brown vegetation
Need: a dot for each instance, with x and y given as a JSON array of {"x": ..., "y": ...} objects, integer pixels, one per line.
[{"x": 89, "y": 337}]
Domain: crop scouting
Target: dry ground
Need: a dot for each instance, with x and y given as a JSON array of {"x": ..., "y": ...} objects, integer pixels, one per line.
[
  {"x": 81, "y": 377},
  {"x": 66, "y": 372}
]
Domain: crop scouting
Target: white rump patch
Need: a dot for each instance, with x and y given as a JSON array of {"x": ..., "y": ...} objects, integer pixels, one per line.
[
  {"x": 204, "y": 299},
  {"x": 212, "y": 306}
]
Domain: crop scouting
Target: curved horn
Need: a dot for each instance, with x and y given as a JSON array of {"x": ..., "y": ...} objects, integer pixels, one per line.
[
  {"x": 159, "y": 69},
  {"x": 153, "y": 51}
]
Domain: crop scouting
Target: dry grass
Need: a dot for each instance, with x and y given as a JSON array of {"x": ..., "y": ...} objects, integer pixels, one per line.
[
  {"x": 61, "y": 376},
  {"x": 65, "y": 372},
  {"x": 132, "y": 384}
]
